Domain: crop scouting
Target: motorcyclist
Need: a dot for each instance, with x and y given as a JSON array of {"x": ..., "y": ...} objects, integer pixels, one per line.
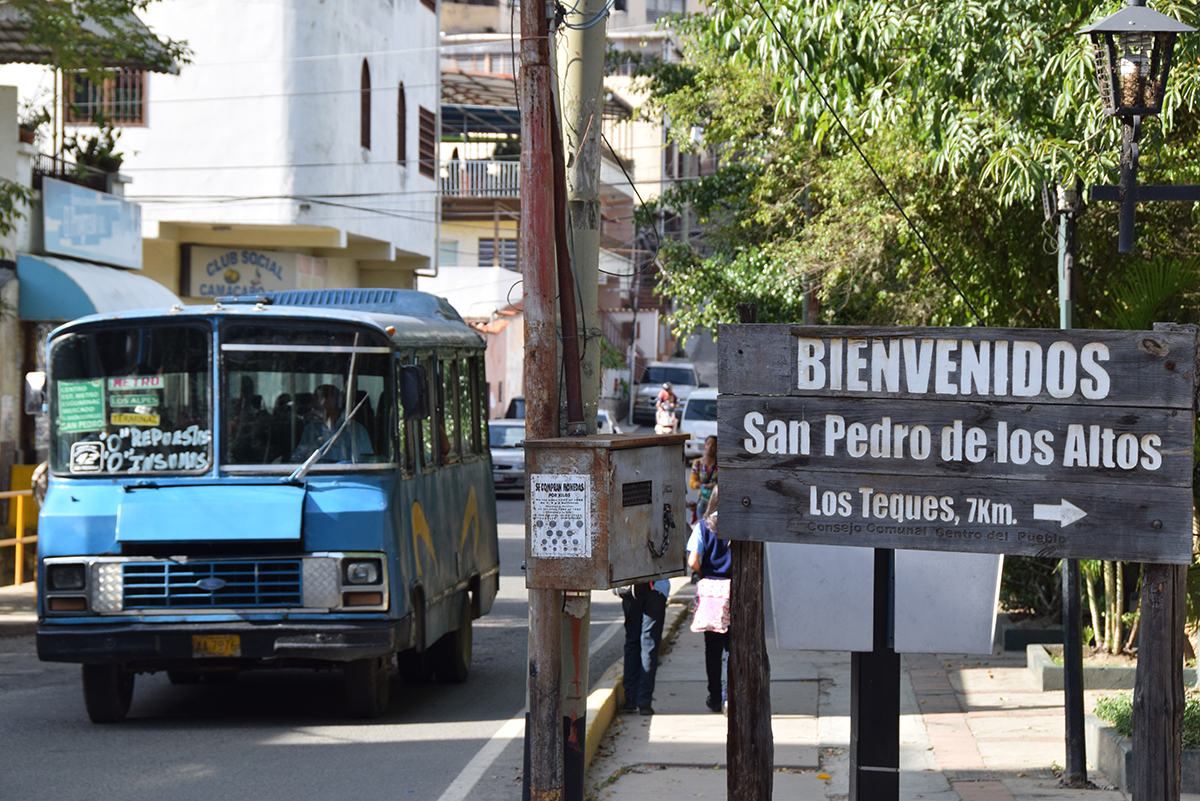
[{"x": 665, "y": 405}]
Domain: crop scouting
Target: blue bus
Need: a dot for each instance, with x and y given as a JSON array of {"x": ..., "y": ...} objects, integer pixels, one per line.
[{"x": 299, "y": 479}]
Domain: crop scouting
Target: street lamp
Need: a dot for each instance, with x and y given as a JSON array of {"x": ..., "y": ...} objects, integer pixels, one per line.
[{"x": 1133, "y": 50}]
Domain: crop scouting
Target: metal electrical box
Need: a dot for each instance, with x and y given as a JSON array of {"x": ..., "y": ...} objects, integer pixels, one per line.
[{"x": 604, "y": 511}]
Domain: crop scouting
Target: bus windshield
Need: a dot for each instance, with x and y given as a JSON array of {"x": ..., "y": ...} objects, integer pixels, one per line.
[
  {"x": 131, "y": 400},
  {"x": 285, "y": 395}
]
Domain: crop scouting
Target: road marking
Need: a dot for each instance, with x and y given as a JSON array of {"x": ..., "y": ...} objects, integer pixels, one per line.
[
  {"x": 466, "y": 780},
  {"x": 1065, "y": 512},
  {"x": 460, "y": 789}
]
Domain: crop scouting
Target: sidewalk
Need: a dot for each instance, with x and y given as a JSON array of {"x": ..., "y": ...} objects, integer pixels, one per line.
[
  {"x": 18, "y": 609},
  {"x": 972, "y": 728}
]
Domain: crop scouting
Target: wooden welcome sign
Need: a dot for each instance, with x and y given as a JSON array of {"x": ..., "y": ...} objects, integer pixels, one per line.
[{"x": 1019, "y": 441}]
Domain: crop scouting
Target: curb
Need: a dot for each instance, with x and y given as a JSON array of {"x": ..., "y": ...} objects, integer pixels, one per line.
[
  {"x": 1048, "y": 677},
  {"x": 17, "y": 628},
  {"x": 604, "y": 701}
]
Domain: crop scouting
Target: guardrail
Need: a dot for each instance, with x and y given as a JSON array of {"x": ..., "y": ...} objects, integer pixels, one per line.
[
  {"x": 20, "y": 540},
  {"x": 481, "y": 178}
]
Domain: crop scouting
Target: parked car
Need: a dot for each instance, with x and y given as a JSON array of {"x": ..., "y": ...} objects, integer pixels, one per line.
[
  {"x": 506, "y": 438},
  {"x": 516, "y": 409},
  {"x": 681, "y": 375},
  {"x": 606, "y": 423},
  {"x": 699, "y": 420}
]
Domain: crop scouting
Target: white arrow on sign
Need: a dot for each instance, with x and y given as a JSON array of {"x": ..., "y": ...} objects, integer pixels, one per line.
[{"x": 1065, "y": 512}]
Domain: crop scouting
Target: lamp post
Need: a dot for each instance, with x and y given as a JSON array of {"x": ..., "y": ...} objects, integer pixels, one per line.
[
  {"x": 1133, "y": 49},
  {"x": 1064, "y": 203}
]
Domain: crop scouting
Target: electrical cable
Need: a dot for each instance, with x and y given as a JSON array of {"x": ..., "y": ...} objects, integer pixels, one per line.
[
  {"x": 895, "y": 201},
  {"x": 657, "y": 238}
]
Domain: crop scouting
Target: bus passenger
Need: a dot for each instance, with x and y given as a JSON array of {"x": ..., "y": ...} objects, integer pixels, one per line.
[{"x": 352, "y": 445}]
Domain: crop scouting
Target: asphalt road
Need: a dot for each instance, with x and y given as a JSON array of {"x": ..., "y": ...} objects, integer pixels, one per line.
[{"x": 283, "y": 734}]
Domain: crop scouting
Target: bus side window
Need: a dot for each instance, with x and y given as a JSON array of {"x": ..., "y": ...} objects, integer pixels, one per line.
[
  {"x": 450, "y": 418},
  {"x": 426, "y": 423},
  {"x": 466, "y": 406},
  {"x": 408, "y": 454},
  {"x": 480, "y": 405}
]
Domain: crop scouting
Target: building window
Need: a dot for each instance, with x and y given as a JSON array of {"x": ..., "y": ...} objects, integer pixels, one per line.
[
  {"x": 448, "y": 253},
  {"x": 401, "y": 127},
  {"x": 427, "y": 142},
  {"x": 365, "y": 106},
  {"x": 498, "y": 253},
  {"x": 119, "y": 100}
]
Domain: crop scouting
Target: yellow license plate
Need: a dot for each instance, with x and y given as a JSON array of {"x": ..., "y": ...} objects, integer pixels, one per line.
[{"x": 208, "y": 645}]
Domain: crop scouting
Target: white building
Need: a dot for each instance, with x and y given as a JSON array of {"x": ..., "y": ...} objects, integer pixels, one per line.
[{"x": 306, "y": 127}]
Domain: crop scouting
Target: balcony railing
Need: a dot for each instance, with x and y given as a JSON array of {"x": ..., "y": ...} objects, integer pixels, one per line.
[
  {"x": 481, "y": 178},
  {"x": 47, "y": 166}
]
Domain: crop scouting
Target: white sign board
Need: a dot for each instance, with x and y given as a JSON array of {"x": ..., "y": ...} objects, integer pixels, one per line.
[
  {"x": 559, "y": 515},
  {"x": 220, "y": 272}
]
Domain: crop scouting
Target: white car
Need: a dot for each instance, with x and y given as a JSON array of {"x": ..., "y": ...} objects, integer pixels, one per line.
[
  {"x": 699, "y": 420},
  {"x": 681, "y": 375},
  {"x": 506, "y": 439}
]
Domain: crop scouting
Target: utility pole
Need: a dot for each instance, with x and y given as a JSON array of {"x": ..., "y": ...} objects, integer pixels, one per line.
[
  {"x": 579, "y": 58},
  {"x": 543, "y": 730}
]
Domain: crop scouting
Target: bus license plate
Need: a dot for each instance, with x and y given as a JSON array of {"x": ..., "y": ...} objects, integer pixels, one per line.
[{"x": 209, "y": 645}]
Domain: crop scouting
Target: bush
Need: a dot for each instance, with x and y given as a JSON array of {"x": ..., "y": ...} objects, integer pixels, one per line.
[
  {"x": 1118, "y": 710},
  {"x": 1031, "y": 585}
]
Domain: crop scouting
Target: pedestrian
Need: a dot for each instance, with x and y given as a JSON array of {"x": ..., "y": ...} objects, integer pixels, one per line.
[
  {"x": 709, "y": 556},
  {"x": 645, "y": 608},
  {"x": 704, "y": 474}
]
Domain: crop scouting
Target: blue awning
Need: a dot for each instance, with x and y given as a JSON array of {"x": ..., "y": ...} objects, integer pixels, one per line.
[{"x": 57, "y": 289}]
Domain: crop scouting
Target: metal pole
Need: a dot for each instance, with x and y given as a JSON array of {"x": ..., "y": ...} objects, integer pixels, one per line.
[
  {"x": 543, "y": 735},
  {"x": 875, "y": 699},
  {"x": 1131, "y": 128},
  {"x": 1076, "y": 768}
]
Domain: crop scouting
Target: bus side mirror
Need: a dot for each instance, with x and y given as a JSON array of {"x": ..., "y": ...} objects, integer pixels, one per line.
[
  {"x": 412, "y": 391},
  {"x": 35, "y": 392}
]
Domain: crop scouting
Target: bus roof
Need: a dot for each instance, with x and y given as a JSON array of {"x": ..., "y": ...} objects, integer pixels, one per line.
[{"x": 417, "y": 318}]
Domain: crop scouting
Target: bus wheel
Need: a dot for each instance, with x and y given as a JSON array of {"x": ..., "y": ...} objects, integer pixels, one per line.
[
  {"x": 107, "y": 692},
  {"x": 367, "y": 686},
  {"x": 451, "y": 655},
  {"x": 414, "y": 666}
]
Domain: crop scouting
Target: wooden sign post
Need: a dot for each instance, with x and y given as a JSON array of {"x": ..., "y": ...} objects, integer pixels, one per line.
[{"x": 1014, "y": 441}]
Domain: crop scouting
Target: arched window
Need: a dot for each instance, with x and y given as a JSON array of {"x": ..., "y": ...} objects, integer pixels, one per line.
[
  {"x": 401, "y": 127},
  {"x": 365, "y": 106}
]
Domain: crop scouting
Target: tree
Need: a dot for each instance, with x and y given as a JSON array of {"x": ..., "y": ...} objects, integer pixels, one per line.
[{"x": 964, "y": 108}]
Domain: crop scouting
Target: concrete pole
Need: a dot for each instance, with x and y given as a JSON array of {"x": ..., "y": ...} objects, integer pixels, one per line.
[{"x": 580, "y": 62}]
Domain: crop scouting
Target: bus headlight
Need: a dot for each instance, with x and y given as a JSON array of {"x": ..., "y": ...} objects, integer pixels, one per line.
[
  {"x": 66, "y": 577},
  {"x": 363, "y": 572}
]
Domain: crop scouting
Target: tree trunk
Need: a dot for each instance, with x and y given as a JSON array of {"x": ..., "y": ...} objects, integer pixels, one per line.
[
  {"x": 1089, "y": 581},
  {"x": 1110, "y": 594},
  {"x": 1120, "y": 608}
]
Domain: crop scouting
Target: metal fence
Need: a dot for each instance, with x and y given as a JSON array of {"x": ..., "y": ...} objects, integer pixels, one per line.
[{"x": 19, "y": 541}]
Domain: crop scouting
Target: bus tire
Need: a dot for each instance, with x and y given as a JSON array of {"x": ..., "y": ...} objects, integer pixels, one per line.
[
  {"x": 414, "y": 666},
  {"x": 368, "y": 683},
  {"x": 107, "y": 692},
  {"x": 451, "y": 655}
]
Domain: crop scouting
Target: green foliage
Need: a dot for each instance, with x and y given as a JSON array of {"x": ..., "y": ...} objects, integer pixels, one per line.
[
  {"x": 964, "y": 108},
  {"x": 86, "y": 35},
  {"x": 12, "y": 197},
  {"x": 1029, "y": 584},
  {"x": 98, "y": 151},
  {"x": 1118, "y": 710},
  {"x": 611, "y": 357}
]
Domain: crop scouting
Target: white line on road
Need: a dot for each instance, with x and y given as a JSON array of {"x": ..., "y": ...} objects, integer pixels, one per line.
[{"x": 466, "y": 780}]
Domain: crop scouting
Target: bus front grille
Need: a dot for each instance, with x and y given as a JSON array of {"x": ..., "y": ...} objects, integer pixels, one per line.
[{"x": 168, "y": 585}]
